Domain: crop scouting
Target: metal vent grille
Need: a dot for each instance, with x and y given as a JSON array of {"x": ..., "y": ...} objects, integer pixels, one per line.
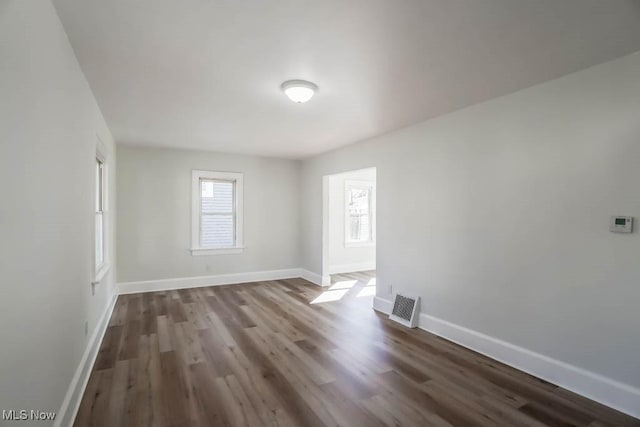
[
  {"x": 403, "y": 307},
  {"x": 405, "y": 310}
]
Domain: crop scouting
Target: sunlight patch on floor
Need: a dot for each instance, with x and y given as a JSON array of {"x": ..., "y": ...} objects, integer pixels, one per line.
[
  {"x": 343, "y": 284},
  {"x": 330, "y": 295},
  {"x": 367, "y": 291}
]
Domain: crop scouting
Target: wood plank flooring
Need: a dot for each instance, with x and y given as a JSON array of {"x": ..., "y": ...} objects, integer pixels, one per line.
[{"x": 263, "y": 354}]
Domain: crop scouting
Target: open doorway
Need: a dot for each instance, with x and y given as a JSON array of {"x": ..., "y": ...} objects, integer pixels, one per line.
[{"x": 349, "y": 234}]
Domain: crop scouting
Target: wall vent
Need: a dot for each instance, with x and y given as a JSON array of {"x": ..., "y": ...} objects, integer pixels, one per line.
[{"x": 405, "y": 310}]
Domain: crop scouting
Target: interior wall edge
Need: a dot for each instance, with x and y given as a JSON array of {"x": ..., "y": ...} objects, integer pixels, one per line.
[{"x": 315, "y": 278}]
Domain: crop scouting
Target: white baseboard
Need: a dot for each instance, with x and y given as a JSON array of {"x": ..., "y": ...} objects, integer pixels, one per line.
[
  {"x": 350, "y": 268},
  {"x": 72, "y": 399},
  {"x": 315, "y": 278},
  {"x": 382, "y": 305},
  {"x": 326, "y": 280},
  {"x": 607, "y": 391},
  {"x": 200, "y": 281}
]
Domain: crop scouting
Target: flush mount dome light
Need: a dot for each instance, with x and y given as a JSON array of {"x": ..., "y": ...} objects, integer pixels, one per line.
[{"x": 299, "y": 91}]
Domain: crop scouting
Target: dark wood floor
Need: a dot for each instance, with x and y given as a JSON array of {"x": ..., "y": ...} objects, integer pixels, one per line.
[{"x": 263, "y": 354}]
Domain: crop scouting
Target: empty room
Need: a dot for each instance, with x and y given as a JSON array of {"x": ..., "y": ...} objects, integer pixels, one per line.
[{"x": 320, "y": 213}]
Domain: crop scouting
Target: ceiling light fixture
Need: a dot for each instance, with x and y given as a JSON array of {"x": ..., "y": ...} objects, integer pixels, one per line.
[{"x": 299, "y": 91}]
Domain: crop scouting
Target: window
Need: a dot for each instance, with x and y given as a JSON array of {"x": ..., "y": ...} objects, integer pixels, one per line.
[
  {"x": 359, "y": 218},
  {"x": 100, "y": 252},
  {"x": 216, "y": 213}
]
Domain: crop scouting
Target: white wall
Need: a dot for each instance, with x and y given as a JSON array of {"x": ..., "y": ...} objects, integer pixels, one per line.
[
  {"x": 48, "y": 126},
  {"x": 504, "y": 221},
  {"x": 154, "y": 214},
  {"x": 504, "y": 232},
  {"x": 343, "y": 258}
]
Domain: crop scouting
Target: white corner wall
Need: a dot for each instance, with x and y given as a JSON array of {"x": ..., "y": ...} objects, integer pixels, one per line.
[
  {"x": 49, "y": 125},
  {"x": 503, "y": 229},
  {"x": 343, "y": 258},
  {"x": 154, "y": 218}
]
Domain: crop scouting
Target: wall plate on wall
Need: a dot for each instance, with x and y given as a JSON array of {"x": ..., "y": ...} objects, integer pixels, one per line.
[{"x": 621, "y": 224}]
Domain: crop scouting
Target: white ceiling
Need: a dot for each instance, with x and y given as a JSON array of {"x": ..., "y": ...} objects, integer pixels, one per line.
[{"x": 205, "y": 74}]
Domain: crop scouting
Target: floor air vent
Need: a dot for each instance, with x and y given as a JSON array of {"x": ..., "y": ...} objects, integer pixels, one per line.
[{"x": 405, "y": 310}]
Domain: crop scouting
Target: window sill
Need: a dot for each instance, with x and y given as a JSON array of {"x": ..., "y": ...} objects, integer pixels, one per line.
[
  {"x": 216, "y": 251},
  {"x": 101, "y": 273},
  {"x": 359, "y": 244}
]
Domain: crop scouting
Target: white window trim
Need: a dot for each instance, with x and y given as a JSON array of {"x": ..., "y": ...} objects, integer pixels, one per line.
[
  {"x": 371, "y": 187},
  {"x": 99, "y": 272},
  {"x": 196, "y": 176}
]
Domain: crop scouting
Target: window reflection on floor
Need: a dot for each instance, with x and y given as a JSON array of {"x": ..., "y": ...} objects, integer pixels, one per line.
[
  {"x": 367, "y": 291},
  {"x": 330, "y": 295},
  {"x": 345, "y": 286}
]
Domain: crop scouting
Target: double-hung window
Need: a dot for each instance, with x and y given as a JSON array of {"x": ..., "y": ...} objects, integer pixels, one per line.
[
  {"x": 216, "y": 213},
  {"x": 100, "y": 252},
  {"x": 359, "y": 213}
]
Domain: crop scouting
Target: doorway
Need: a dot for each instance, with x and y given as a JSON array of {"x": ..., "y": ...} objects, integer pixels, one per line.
[{"x": 349, "y": 231}]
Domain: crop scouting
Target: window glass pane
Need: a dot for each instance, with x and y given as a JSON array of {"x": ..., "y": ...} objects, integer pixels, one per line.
[
  {"x": 99, "y": 220},
  {"x": 98, "y": 185},
  {"x": 217, "y": 227},
  {"x": 206, "y": 189},
  {"x": 216, "y": 222},
  {"x": 216, "y": 196},
  {"x": 217, "y": 231},
  {"x": 358, "y": 214},
  {"x": 99, "y": 239},
  {"x": 360, "y": 228},
  {"x": 358, "y": 200}
]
